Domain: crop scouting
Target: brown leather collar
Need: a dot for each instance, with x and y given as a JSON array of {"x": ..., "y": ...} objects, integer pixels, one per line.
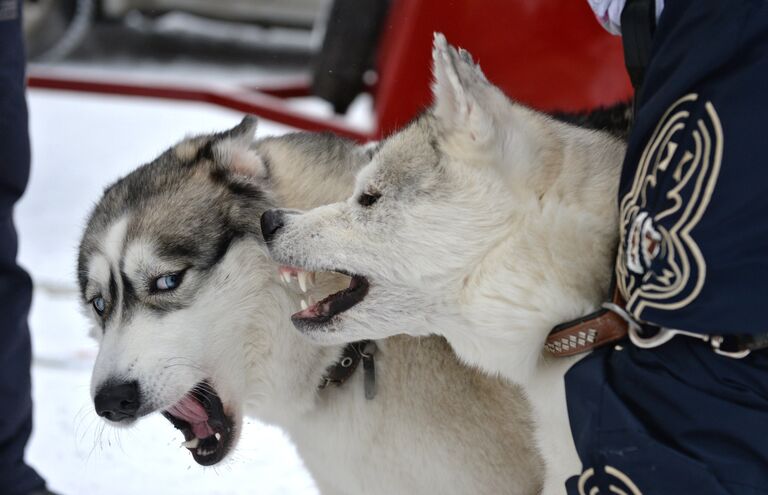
[
  {"x": 589, "y": 332},
  {"x": 344, "y": 368},
  {"x": 611, "y": 324}
]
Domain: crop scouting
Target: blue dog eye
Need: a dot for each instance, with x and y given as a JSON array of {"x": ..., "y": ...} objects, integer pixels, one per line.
[
  {"x": 168, "y": 282},
  {"x": 99, "y": 304}
]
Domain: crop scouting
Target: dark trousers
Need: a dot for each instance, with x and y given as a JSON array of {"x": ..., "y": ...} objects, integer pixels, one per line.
[{"x": 15, "y": 284}]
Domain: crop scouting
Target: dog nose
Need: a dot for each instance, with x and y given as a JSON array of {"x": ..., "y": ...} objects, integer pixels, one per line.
[
  {"x": 117, "y": 401},
  {"x": 271, "y": 222}
]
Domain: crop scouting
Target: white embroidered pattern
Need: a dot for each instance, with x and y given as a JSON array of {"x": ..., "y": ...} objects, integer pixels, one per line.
[
  {"x": 660, "y": 264},
  {"x": 620, "y": 483}
]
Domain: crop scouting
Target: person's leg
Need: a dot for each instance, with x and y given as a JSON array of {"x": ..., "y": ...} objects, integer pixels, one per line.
[{"x": 15, "y": 284}]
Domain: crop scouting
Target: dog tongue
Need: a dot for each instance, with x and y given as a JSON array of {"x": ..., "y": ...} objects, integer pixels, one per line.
[
  {"x": 191, "y": 411},
  {"x": 314, "y": 311}
]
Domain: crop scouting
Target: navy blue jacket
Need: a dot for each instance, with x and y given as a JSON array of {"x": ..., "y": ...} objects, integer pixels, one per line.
[{"x": 693, "y": 202}]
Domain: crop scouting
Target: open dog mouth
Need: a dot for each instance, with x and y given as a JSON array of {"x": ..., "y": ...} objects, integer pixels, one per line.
[
  {"x": 319, "y": 313},
  {"x": 207, "y": 430}
]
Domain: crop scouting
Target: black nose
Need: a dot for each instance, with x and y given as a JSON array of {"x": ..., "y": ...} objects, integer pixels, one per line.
[
  {"x": 271, "y": 222},
  {"x": 117, "y": 401}
]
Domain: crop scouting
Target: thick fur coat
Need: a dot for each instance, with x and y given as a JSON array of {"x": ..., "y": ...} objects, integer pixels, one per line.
[
  {"x": 181, "y": 292},
  {"x": 482, "y": 221}
]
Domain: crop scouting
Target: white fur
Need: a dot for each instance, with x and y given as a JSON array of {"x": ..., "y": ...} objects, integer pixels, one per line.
[
  {"x": 495, "y": 223},
  {"x": 435, "y": 426},
  {"x": 113, "y": 240}
]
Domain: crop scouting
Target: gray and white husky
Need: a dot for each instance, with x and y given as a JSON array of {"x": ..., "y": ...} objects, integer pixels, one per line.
[
  {"x": 192, "y": 320},
  {"x": 482, "y": 221}
]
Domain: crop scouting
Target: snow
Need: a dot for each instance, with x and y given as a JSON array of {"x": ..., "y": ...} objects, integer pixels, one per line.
[{"x": 80, "y": 144}]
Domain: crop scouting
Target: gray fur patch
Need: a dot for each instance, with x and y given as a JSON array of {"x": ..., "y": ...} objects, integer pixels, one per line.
[{"x": 189, "y": 207}]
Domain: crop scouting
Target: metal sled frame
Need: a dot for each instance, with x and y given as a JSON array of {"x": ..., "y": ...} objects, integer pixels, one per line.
[
  {"x": 552, "y": 56},
  {"x": 268, "y": 102}
]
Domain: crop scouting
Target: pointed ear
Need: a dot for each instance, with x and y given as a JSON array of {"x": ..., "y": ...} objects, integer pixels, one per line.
[
  {"x": 232, "y": 150},
  {"x": 461, "y": 94}
]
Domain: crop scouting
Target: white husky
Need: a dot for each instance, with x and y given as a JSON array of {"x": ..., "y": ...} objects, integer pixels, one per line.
[
  {"x": 482, "y": 221},
  {"x": 192, "y": 320}
]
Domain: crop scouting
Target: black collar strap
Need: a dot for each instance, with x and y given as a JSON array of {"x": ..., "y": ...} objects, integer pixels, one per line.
[
  {"x": 638, "y": 22},
  {"x": 741, "y": 343},
  {"x": 342, "y": 369}
]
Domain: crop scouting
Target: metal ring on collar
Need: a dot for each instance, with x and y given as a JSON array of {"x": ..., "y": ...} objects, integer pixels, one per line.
[
  {"x": 717, "y": 341},
  {"x": 664, "y": 335}
]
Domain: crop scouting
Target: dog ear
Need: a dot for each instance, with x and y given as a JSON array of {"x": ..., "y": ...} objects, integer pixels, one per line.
[
  {"x": 233, "y": 150},
  {"x": 230, "y": 151},
  {"x": 460, "y": 92},
  {"x": 479, "y": 121}
]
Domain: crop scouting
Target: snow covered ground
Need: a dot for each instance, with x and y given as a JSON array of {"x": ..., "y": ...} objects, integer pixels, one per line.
[{"x": 80, "y": 144}]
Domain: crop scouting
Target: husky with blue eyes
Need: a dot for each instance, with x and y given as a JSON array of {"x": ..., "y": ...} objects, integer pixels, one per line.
[{"x": 193, "y": 322}]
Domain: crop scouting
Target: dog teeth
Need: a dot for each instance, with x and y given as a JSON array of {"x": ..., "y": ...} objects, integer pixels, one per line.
[
  {"x": 286, "y": 277},
  {"x": 304, "y": 304},
  {"x": 191, "y": 444},
  {"x": 303, "y": 281},
  {"x": 217, "y": 435}
]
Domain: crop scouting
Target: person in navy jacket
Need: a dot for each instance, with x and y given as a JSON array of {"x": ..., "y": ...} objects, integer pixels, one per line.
[{"x": 682, "y": 406}]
